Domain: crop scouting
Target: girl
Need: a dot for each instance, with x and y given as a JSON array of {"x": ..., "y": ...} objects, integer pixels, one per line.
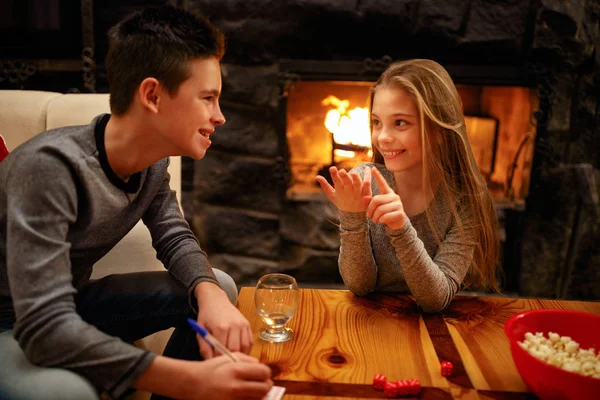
[{"x": 420, "y": 217}]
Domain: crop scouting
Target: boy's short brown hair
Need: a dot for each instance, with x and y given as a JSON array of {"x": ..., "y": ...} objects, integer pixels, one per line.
[{"x": 157, "y": 42}]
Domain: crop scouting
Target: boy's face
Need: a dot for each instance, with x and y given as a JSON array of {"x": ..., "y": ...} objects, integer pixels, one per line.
[{"x": 190, "y": 115}]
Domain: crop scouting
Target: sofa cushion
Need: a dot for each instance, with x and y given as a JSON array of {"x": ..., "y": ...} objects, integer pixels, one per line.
[
  {"x": 23, "y": 114},
  {"x": 76, "y": 109}
]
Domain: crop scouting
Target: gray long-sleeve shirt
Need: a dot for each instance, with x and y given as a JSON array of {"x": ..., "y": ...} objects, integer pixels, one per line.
[
  {"x": 62, "y": 209},
  {"x": 376, "y": 258}
]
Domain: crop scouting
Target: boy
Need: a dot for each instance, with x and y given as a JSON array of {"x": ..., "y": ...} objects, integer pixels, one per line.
[{"x": 69, "y": 195}]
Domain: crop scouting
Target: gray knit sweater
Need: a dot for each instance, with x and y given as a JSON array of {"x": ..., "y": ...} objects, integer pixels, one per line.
[
  {"x": 376, "y": 258},
  {"x": 62, "y": 209}
]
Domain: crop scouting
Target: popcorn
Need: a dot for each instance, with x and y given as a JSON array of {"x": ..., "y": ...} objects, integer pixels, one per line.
[{"x": 562, "y": 352}]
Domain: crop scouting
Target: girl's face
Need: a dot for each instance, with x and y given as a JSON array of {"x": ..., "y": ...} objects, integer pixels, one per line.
[{"x": 396, "y": 129}]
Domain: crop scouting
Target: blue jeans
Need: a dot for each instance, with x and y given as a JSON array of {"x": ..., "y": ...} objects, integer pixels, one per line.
[{"x": 129, "y": 306}]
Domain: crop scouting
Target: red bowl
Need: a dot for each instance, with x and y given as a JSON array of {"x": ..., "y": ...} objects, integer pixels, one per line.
[{"x": 547, "y": 381}]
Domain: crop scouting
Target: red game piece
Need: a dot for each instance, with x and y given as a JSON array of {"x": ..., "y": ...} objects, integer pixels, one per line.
[
  {"x": 414, "y": 386},
  {"x": 402, "y": 388},
  {"x": 447, "y": 368},
  {"x": 391, "y": 389},
  {"x": 379, "y": 382}
]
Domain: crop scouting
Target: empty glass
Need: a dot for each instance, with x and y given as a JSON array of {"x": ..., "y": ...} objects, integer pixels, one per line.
[{"x": 276, "y": 299}]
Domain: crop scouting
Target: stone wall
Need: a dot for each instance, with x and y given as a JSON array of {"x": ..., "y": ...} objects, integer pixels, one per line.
[
  {"x": 561, "y": 256},
  {"x": 233, "y": 197}
]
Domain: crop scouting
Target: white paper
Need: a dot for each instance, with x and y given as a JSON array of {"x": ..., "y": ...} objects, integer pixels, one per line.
[{"x": 276, "y": 393}]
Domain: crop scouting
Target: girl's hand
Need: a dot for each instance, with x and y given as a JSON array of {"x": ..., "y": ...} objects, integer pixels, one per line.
[
  {"x": 386, "y": 208},
  {"x": 348, "y": 191}
]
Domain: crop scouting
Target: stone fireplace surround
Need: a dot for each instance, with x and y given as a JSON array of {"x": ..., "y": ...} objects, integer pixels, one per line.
[{"x": 235, "y": 197}]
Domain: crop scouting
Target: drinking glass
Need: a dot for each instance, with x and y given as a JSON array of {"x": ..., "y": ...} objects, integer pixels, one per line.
[{"x": 276, "y": 299}]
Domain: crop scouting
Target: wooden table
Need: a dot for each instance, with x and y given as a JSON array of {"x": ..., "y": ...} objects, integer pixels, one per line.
[{"x": 341, "y": 341}]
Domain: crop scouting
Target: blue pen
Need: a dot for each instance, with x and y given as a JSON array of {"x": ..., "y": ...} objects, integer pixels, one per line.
[{"x": 210, "y": 339}]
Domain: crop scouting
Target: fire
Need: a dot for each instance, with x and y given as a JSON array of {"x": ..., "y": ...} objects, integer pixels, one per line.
[{"x": 347, "y": 126}]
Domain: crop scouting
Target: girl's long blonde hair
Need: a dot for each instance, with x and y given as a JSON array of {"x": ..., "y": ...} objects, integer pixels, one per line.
[{"x": 448, "y": 159}]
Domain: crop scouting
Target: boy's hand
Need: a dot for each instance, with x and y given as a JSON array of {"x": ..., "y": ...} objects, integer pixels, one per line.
[
  {"x": 218, "y": 378},
  {"x": 350, "y": 193},
  {"x": 386, "y": 208},
  {"x": 224, "y": 379},
  {"x": 222, "y": 319}
]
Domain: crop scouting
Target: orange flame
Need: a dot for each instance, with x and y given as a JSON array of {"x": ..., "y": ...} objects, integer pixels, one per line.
[{"x": 347, "y": 126}]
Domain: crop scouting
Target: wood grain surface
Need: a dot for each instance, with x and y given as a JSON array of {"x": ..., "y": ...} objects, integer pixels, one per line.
[{"x": 341, "y": 341}]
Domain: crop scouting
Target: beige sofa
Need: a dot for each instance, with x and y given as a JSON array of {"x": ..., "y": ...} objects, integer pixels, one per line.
[{"x": 24, "y": 114}]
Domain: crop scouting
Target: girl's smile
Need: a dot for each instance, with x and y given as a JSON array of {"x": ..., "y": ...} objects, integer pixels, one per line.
[{"x": 391, "y": 154}]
